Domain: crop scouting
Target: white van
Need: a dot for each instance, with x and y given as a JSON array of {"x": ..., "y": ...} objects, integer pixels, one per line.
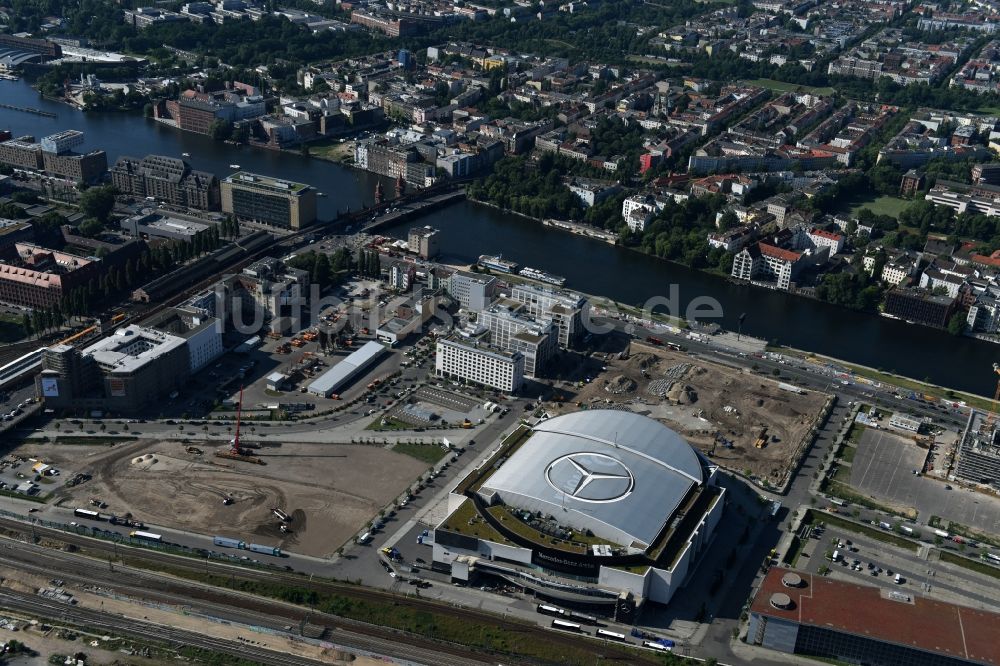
[
  {"x": 365, "y": 538},
  {"x": 836, "y": 556}
]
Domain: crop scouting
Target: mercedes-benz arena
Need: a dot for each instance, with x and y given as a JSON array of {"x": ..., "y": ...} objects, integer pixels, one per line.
[{"x": 582, "y": 508}]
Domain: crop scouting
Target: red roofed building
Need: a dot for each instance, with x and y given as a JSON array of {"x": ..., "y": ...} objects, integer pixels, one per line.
[
  {"x": 763, "y": 262},
  {"x": 811, "y": 615}
]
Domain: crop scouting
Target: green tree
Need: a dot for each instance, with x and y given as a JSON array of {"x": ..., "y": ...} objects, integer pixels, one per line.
[
  {"x": 956, "y": 325},
  {"x": 220, "y": 129},
  {"x": 98, "y": 202}
]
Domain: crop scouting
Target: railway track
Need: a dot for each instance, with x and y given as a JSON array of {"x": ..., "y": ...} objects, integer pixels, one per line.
[
  {"x": 157, "y": 633},
  {"x": 609, "y": 653},
  {"x": 222, "y": 604}
]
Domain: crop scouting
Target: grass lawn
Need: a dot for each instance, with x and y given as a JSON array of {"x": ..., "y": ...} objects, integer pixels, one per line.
[
  {"x": 848, "y": 453},
  {"x": 429, "y": 453},
  {"x": 771, "y": 84},
  {"x": 915, "y": 385},
  {"x": 10, "y": 328},
  {"x": 332, "y": 150},
  {"x": 883, "y": 205},
  {"x": 969, "y": 563}
]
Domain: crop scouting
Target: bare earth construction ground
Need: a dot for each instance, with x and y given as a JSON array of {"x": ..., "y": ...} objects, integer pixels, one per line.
[
  {"x": 330, "y": 490},
  {"x": 708, "y": 402}
]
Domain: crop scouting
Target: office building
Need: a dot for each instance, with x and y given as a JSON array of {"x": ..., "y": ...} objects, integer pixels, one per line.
[
  {"x": 919, "y": 306},
  {"x": 511, "y": 329},
  {"x": 479, "y": 364},
  {"x": 588, "y": 507},
  {"x": 167, "y": 179},
  {"x": 844, "y": 622},
  {"x": 132, "y": 369},
  {"x": 563, "y": 308},
  {"x": 171, "y": 227},
  {"x": 54, "y": 155},
  {"x": 473, "y": 291},
  {"x": 270, "y": 201}
]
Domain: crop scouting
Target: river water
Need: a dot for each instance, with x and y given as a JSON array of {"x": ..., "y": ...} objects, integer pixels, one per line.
[{"x": 591, "y": 266}]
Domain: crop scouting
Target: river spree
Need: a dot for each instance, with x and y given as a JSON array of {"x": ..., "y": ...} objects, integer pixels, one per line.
[
  {"x": 131, "y": 134},
  {"x": 591, "y": 266}
]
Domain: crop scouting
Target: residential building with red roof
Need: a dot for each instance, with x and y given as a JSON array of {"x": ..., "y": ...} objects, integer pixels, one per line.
[{"x": 812, "y": 615}]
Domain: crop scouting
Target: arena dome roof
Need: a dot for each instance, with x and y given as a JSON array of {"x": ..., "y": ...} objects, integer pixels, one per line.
[{"x": 618, "y": 474}]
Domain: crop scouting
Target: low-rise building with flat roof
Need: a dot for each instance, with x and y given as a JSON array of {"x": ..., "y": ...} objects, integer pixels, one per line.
[
  {"x": 844, "y": 622},
  {"x": 331, "y": 381}
]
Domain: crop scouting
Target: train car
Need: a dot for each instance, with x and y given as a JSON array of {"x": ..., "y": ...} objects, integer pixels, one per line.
[
  {"x": 146, "y": 536},
  {"x": 567, "y": 626},
  {"x": 545, "y": 609},
  {"x": 659, "y": 647},
  {"x": 582, "y": 618},
  {"x": 88, "y": 514},
  {"x": 610, "y": 635}
]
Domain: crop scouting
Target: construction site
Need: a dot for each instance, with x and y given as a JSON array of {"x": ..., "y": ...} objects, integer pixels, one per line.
[
  {"x": 329, "y": 491},
  {"x": 744, "y": 421}
]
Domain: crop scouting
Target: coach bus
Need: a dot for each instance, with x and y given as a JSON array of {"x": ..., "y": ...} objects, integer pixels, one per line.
[
  {"x": 610, "y": 635},
  {"x": 87, "y": 513},
  {"x": 545, "y": 609},
  {"x": 582, "y": 617},
  {"x": 993, "y": 557},
  {"x": 146, "y": 536},
  {"x": 658, "y": 646},
  {"x": 566, "y": 626}
]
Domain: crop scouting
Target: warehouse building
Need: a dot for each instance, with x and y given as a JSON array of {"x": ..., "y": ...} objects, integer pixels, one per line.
[
  {"x": 331, "y": 381},
  {"x": 844, "y": 622},
  {"x": 585, "y": 508}
]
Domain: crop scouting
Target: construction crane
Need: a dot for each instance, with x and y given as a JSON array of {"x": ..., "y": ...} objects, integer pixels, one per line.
[{"x": 236, "y": 450}]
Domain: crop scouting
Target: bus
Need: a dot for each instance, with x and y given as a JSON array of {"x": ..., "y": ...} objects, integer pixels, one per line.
[
  {"x": 993, "y": 557},
  {"x": 582, "y": 617},
  {"x": 610, "y": 635},
  {"x": 566, "y": 626},
  {"x": 87, "y": 513},
  {"x": 675, "y": 346},
  {"x": 550, "y": 610},
  {"x": 146, "y": 536},
  {"x": 653, "y": 645}
]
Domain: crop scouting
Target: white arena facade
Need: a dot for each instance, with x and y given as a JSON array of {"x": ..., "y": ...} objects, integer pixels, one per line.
[{"x": 584, "y": 509}]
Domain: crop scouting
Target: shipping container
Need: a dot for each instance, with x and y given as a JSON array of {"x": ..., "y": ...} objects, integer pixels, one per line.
[
  {"x": 226, "y": 542},
  {"x": 264, "y": 550}
]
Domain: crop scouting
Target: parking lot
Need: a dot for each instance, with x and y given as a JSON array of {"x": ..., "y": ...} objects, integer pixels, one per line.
[
  {"x": 883, "y": 469},
  {"x": 32, "y": 476}
]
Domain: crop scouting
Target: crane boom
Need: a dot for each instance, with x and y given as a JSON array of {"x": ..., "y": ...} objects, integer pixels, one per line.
[{"x": 239, "y": 414}]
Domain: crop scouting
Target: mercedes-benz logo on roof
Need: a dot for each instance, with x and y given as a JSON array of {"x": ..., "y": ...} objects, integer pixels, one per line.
[{"x": 590, "y": 477}]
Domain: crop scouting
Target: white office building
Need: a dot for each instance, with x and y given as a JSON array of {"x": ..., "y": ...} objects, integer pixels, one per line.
[
  {"x": 472, "y": 290},
  {"x": 479, "y": 364}
]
